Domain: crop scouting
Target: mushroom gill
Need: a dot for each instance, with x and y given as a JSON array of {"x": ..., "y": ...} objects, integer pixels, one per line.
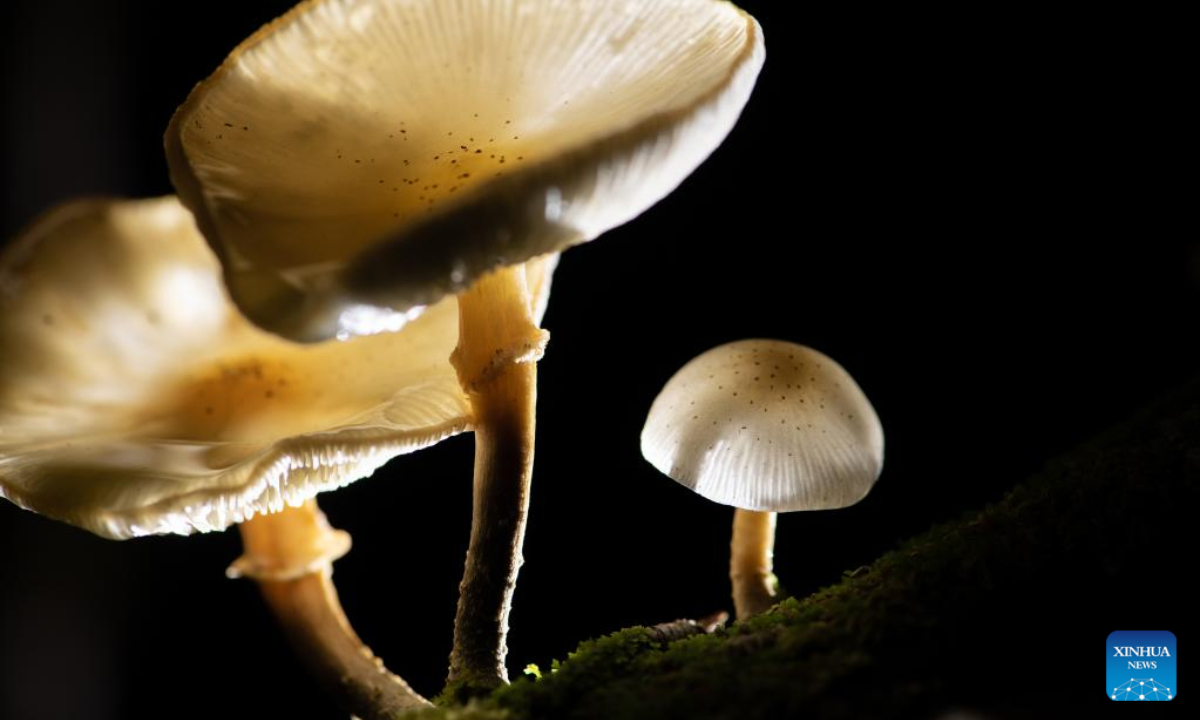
[
  {"x": 383, "y": 154},
  {"x": 136, "y": 400}
]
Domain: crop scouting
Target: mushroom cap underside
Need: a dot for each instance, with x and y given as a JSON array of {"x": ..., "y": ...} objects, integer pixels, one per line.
[
  {"x": 135, "y": 399},
  {"x": 389, "y": 152}
]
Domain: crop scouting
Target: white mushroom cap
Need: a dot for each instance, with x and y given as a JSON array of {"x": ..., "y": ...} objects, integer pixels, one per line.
[
  {"x": 390, "y": 152},
  {"x": 135, "y": 399},
  {"x": 766, "y": 425}
]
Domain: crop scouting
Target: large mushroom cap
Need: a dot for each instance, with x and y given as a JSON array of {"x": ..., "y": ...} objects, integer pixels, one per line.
[
  {"x": 766, "y": 425},
  {"x": 385, "y": 153},
  {"x": 135, "y": 399}
]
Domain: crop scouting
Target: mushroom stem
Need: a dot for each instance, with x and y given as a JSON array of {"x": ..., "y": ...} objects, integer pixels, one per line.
[
  {"x": 496, "y": 360},
  {"x": 750, "y": 566},
  {"x": 305, "y": 602}
]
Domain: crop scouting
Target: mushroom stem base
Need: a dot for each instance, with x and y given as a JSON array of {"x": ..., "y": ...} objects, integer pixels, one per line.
[
  {"x": 751, "y": 562},
  {"x": 308, "y": 609},
  {"x": 503, "y": 469}
]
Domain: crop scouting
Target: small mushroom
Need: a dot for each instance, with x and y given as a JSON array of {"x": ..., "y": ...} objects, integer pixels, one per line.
[
  {"x": 136, "y": 400},
  {"x": 359, "y": 160},
  {"x": 766, "y": 426}
]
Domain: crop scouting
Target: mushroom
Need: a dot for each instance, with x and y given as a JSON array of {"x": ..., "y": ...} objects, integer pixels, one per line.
[
  {"x": 136, "y": 400},
  {"x": 766, "y": 426},
  {"x": 140, "y": 401},
  {"x": 355, "y": 161}
]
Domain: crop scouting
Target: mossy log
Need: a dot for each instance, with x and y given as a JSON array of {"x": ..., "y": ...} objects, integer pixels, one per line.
[{"x": 998, "y": 614}]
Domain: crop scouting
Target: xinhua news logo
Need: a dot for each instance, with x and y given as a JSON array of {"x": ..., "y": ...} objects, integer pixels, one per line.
[{"x": 1141, "y": 665}]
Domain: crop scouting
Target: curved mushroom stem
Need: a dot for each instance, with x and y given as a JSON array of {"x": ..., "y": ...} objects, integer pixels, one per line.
[
  {"x": 496, "y": 360},
  {"x": 750, "y": 564},
  {"x": 298, "y": 587}
]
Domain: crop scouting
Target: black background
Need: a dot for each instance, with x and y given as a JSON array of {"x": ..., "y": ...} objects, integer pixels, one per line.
[{"x": 972, "y": 212}]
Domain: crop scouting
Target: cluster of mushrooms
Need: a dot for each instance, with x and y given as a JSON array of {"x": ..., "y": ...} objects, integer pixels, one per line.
[{"x": 372, "y": 196}]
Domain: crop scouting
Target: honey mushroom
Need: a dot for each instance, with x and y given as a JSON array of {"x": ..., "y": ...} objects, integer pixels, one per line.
[
  {"x": 766, "y": 426},
  {"x": 357, "y": 161},
  {"x": 136, "y": 400}
]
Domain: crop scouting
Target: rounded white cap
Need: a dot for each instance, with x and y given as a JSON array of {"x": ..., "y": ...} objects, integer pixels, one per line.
[{"x": 766, "y": 425}]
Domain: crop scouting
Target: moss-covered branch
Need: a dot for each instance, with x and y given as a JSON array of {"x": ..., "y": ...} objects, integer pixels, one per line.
[{"x": 923, "y": 628}]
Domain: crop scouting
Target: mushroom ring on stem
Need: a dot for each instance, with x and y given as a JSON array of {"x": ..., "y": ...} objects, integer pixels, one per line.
[
  {"x": 766, "y": 426},
  {"x": 356, "y": 161},
  {"x": 136, "y": 400}
]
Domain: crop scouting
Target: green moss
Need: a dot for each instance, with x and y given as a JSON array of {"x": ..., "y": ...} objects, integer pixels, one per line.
[{"x": 875, "y": 644}]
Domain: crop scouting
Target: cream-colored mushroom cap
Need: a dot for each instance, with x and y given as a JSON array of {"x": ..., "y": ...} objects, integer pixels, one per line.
[
  {"x": 376, "y": 155},
  {"x": 135, "y": 399},
  {"x": 766, "y": 425}
]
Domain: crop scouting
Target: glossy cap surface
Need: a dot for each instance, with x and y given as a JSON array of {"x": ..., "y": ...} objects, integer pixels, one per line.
[{"x": 766, "y": 425}]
